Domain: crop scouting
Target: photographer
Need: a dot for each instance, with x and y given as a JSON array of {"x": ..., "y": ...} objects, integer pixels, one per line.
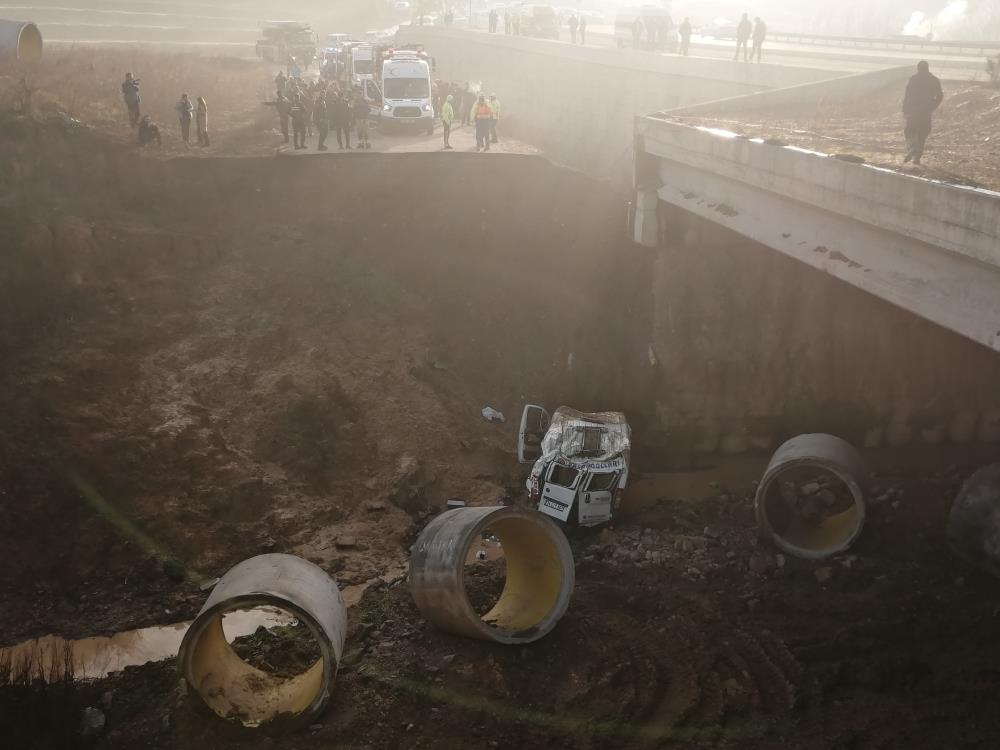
[{"x": 130, "y": 92}]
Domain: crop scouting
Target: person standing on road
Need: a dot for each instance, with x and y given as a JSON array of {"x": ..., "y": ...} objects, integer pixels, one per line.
[
  {"x": 583, "y": 29},
  {"x": 360, "y": 112},
  {"x": 637, "y": 33},
  {"x": 573, "y": 24},
  {"x": 483, "y": 116},
  {"x": 685, "y": 33},
  {"x": 758, "y": 36},
  {"x": 447, "y": 116},
  {"x": 466, "y": 103},
  {"x": 298, "y": 115},
  {"x": 495, "y": 106},
  {"x": 280, "y": 81},
  {"x": 307, "y": 105},
  {"x": 284, "y": 108},
  {"x": 493, "y": 20},
  {"x": 130, "y": 92},
  {"x": 340, "y": 116},
  {"x": 743, "y": 31},
  {"x": 184, "y": 112},
  {"x": 322, "y": 120},
  {"x": 506, "y": 22},
  {"x": 201, "y": 118},
  {"x": 923, "y": 96}
]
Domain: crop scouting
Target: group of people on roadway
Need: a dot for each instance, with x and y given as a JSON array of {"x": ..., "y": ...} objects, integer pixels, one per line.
[
  {"x": 321, "y": 106},
  {"x": 747, "y": 32},
  {"x": 484, "y": 113}
]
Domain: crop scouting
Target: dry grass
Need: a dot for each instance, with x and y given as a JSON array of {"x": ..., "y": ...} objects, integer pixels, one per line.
[
  {"x": 85, "y": 83},
  {"x": 964, "y": 146},
  {"x": 52, "y": 666}
]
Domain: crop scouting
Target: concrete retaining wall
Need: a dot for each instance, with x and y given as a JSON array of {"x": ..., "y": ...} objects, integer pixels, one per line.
[{"x": 577, "y": 103}]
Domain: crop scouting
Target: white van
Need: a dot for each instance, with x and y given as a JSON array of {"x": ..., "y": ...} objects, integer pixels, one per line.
[
  {"x": 362, "y": 64},
  {"x": 580, "y": 461},
  {"x": 406, "y": 91}
]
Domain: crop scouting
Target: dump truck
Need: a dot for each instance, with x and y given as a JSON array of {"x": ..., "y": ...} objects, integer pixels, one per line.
[
  {"x": 580, "y": 463},
  {"x": 282, "y": 41}
]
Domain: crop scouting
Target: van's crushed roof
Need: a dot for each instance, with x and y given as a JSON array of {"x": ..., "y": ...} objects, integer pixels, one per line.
[{"x": 594, "y": 437}]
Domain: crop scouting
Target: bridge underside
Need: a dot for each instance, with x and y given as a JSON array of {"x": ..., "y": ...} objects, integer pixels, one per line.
[{"x": 931, "y": 249}]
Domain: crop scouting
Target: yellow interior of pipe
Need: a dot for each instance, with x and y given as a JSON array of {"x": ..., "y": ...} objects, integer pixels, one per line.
[
  {"x": 832, "y": 531},
  {"x": 829, "y": 532},
  {"x": 234, "y": 689},
  {"x": 534, "y": 576},
  {"x": 29, "y": 44}
]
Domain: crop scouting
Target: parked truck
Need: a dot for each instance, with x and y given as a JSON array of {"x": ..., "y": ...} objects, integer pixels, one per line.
[
  {"x": 282, "y": 41},
  {"x": 580, "y": 463}
]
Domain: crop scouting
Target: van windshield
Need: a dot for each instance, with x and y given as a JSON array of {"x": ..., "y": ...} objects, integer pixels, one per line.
[{"x": 406, "y": 88}]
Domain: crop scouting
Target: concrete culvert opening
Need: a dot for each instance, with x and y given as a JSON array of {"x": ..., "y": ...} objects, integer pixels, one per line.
[
  {"x": 810, "y": 500},
  {"x": 519, "y": 597},
  {"x": 282, "y": 672},
  {"x": 20, "y": 41}
]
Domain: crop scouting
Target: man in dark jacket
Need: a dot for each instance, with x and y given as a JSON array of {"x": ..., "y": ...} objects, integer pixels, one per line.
[
  {"x": 298, "y": 114},
  {"x": 743, "y": 31},
  {"x": 340, "y": 118},
  {"x": 321, "y": 119},
  {"x": 685, "y": 34},
  {"x": 130, "y": 92},
  {"x": 284, "y": 108},
  {"x": 923, "y": 96}
]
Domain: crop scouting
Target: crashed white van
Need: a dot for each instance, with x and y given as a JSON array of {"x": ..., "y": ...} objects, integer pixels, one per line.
[{"x": 580, "y": 462}]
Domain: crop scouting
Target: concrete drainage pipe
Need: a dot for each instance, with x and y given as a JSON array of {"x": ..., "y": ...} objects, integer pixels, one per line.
[
  {"x": 811, "y": 500},
  {"x": 539, "y": 580},
  {"x": 20, "y": 41},
  {"x": 231, "y": 687},
  {"x": 974, "y": 520}
]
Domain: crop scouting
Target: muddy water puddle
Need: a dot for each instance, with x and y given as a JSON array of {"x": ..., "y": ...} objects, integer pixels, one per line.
[
  {"x": 733, "y": 475},
  {"x": 52, "y": 657}
]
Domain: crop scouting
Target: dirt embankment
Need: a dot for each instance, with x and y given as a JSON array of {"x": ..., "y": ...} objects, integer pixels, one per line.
[
  {"x": 206, "y": 359},
  {"x": 688, "y": 633},
  {"x": 226, "y": 358}
]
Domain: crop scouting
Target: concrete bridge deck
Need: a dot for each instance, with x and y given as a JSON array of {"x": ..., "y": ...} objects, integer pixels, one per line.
[{"x": 928, "y": 247}]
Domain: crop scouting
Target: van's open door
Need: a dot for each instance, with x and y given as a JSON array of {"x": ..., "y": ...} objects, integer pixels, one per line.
[
  {"x": 534, "y": 422},
  {"x": 559, "y": 488}
]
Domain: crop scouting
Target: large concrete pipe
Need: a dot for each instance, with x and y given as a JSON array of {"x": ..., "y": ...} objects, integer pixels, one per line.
[
  {"x": 537, "y": 589},
  {"x": 811, "y": 500},
  {"x": 20, "y": 41},
  {"x": 974, "y": 520},
  {"x": 234, "y": 689}
]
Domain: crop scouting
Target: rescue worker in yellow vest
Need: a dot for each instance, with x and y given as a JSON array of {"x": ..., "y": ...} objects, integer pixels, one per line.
[
  {"x": 447, "y": 117},
  {"x": 483, "y": 116},
  {"x": 495, "y": 106}
]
